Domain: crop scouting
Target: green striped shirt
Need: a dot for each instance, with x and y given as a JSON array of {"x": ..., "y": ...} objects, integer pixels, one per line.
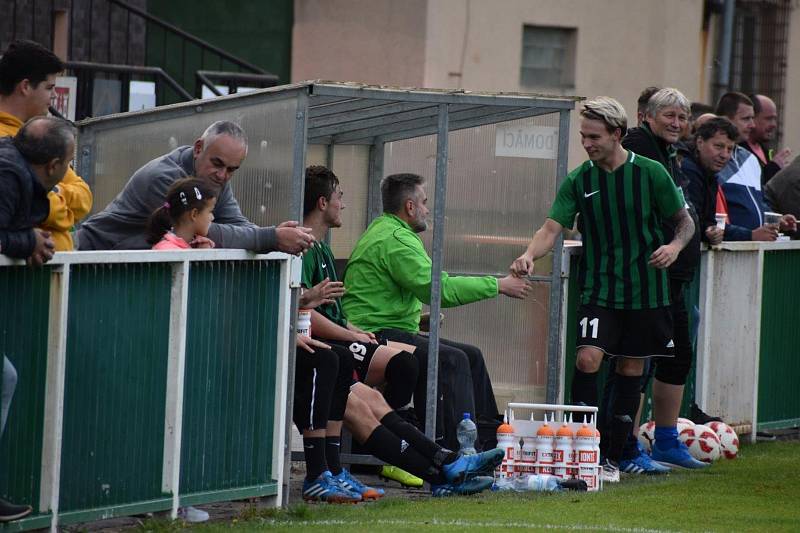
[{"x": 621, "y": 213}]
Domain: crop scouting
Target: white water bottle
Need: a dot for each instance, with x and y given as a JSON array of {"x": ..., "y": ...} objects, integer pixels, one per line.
[
  {"x": 587, "y": 457},
  {"x": 304, "y": 322},
  {"x": 562, "y": 452},
  {"x": 466, "y": 433},
  {"x": 527, "y": 464},
  {"x": 506, "y": 442},
  {"x": 544, "y": 449}
]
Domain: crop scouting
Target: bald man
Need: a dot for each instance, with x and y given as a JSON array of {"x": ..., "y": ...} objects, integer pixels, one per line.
[{"x": 762, "y": 134}]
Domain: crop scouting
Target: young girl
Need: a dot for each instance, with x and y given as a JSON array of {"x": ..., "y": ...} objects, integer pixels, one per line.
[{"x": 184, "y": 219}]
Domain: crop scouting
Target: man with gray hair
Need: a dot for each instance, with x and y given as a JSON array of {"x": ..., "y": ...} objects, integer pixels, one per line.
[
  {"x": 31, "y": 164},
  {"x": 214, "y": 157},
  {"x": 622, "y": 199},
  {"x": 666, "y": 116}
]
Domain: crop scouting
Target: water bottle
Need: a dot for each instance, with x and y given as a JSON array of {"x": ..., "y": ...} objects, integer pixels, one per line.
[
  {"x": 539, "y": 483},
  {"x": 466, "y": 433}
]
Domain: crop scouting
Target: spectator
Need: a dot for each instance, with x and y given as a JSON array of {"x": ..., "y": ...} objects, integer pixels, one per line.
[
  {"x": 740, "y": 180},
  {"x": 213, "y": 158},
  {"x": 388, "y": 278},
  {"x": 666, "y": 118},
  {"x": 763, "y": 132},
  {"x": 783, "y": 190},
  {"x": 27, "y": 82},
  {"x": 622, "y": 199},
  {"x": 183, "y": 221},
  {"x": 713, "y": 146},
  {"x": 31, "y": 163},
  {"x": 641, "y": 103}
]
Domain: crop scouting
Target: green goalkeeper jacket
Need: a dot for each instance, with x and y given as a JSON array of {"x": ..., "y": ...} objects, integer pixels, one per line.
[{"x": 388, "y": 278}]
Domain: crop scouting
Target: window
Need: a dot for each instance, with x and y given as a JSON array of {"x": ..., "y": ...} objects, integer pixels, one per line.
[{"x": 548, "y": 58}]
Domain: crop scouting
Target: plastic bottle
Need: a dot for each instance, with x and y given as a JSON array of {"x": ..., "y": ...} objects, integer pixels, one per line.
[
  {"x": 544, "y": 449},
  {"x": 506, "y": 442},
  {"x": 539, "y": 483},
  {"x": 562, "y": 452},
  {"x": 527, "y": 463},
  {"x": 466, "y": 433},
  {"x": 588, "y": 458},
  {"x": 304, "y": 322}
]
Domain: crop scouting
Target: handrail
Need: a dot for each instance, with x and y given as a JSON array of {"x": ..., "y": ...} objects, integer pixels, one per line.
[
  {"x": 206, "y": 77},
  {"x": 131, "y": 69},
  {"x": 189, "y": 37},
  {"x": 149, "y": 256}
]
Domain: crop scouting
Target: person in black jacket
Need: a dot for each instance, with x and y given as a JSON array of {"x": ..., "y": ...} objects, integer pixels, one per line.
[
  {"x": 31, "y": 163},
  {"x": 710, "y": 151},
  {"x": 666, "y": 118}
]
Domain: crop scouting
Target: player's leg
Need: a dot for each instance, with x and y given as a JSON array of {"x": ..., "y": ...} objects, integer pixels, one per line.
[
  {"x": 315, "y": 380},
  {"x": 670, "y": 379}
]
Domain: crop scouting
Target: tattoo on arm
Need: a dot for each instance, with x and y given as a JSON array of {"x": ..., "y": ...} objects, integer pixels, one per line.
[{"x": 684, "y": 228}]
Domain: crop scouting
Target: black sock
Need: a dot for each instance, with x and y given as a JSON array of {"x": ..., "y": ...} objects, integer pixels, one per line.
[
  {"x": 332, "y": 450},
  {"x": 426, "y": 447},
  {"x": 584, "y": 388},
  {"x": 314, "y": 452},
  {"x": 624, "y": 406},
  {"x": 390, "y": 448}
]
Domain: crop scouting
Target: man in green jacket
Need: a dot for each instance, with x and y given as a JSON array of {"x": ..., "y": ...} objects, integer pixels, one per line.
[{"x": 388, "y": 278}]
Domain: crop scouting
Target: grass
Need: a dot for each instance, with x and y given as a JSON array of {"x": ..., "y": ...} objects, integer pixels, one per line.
[{"x": 759, "y": 491}]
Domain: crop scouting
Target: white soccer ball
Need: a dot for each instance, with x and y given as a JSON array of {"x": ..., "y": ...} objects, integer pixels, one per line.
[
  {"x": 685, "y": 421},
  {"x": 647, "y": 434},
  {"x": 702, "y": 442},
  {"x": 728, "y": 440}
]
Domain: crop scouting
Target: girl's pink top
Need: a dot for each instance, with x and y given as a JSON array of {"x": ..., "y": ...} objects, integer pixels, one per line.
[{"x": 170, "y": 241}]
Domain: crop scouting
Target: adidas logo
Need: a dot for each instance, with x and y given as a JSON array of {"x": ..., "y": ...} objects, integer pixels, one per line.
[
  {"x": 403, "y": 446},
  {"x": 671, "y": 344}
]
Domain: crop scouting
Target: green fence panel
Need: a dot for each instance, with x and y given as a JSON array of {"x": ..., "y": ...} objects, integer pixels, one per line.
[
  {"x": 229, "y": 387},
  {"x": 23, "y": 339},
  {"x": 115, "y": 393},
  {"x": 779, "y": 365}
]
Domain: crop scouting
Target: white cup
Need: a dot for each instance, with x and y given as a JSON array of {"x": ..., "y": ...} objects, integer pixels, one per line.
[{"x": 721, "y": 217}]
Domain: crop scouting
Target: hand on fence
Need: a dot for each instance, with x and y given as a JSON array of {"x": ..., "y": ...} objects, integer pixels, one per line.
[
  {"x": 788, "y": 223},
  {"x": 764, "y": 233},
  {"x": 43, "y": 249},
  {"x": 293, "y": 238},
  {"x": 201, "y": 242},
  {"x": 714, "y": 234},
  {"x": 306, "y": 343},
  {"x": 514, "y": 287}
]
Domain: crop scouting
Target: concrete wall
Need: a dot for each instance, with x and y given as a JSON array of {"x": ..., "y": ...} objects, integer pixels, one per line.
[
  {"x": 622, "y": 46},
  {"x": 370, "y": 41},
  {"x": 791, "y": 112}
]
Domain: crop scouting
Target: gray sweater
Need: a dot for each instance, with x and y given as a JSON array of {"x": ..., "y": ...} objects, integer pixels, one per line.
[{"x": 121, "y": 225}]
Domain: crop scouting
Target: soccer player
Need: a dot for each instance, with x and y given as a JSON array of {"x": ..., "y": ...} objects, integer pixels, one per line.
[{"x": 624, "y": 313}]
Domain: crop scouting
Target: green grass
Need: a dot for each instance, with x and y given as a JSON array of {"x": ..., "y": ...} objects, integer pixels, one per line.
[{"x": 759, "y": 491}]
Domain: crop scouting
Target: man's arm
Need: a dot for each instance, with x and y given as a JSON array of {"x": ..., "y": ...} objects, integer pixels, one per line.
[
  {"x": 666, "y": 254},
  {"x": 19, "y": 244},
  {"x": 543, "y": 241},
  {"x": 410, "y": 267}
]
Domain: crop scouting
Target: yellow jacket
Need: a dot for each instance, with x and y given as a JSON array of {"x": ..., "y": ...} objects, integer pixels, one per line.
[{"x": 70, "y": 201}]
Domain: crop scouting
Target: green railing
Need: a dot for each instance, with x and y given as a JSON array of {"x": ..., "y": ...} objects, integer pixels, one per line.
[{"x": 147, "y": 380}]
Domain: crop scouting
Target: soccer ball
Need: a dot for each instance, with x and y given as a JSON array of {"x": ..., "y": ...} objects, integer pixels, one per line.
[
  {"x": 684, "y": 423},
  {"x": 728, "y": 440},
  {"x": 702, "y": 442},
  {"x": 647, "y": 434}
]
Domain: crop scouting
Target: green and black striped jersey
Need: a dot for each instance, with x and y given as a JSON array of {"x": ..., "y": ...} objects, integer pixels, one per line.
[{"x": 621, "y": 213}]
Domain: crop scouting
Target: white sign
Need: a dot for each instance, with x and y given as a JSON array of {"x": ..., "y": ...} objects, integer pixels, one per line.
[
  {"x": 64, "y": 99},
  {"x": 536, "y": 142},
  {"x": 142, "y": 95}
]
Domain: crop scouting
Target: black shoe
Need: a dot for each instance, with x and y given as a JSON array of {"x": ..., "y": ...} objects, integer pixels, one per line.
[
  {"x": 573, "y": 484},
  {"x": 10, "y": 511},
  {"x": 699, "y": 417}
]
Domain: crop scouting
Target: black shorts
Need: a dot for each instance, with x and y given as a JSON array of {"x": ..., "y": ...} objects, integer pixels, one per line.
[
  {"x": 626, "y": 333},
  {"x": 362, "y": 354}
]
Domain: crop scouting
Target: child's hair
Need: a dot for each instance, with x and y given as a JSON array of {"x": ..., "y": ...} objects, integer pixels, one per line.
[{"x": 184, "y": 195}]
